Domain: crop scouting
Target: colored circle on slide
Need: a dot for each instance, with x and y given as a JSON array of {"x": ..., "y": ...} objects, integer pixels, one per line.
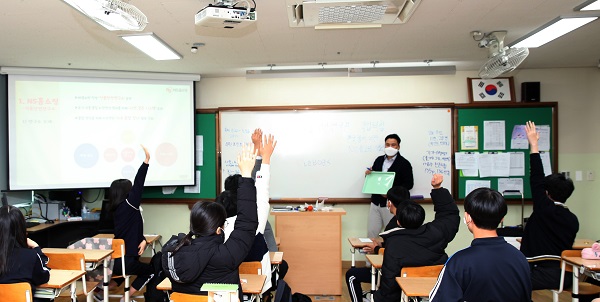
[
  {"x": 128, "y": 155},
  {"x": 86, "y": 155},
  {"x": 110, "y": 155},
  {"x": 166, "y": 154},
  {"x": 491, "y": 89},
  {"x": 128, "y": 172}
]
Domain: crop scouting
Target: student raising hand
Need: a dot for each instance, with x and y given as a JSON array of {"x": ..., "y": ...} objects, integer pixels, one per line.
[
  {"x": 267, "y": 147},
  {"x": 532, "y": 136},
  {"x": 257, "y": 139},
  {"x": 147, "y": 154},
  {"x": 246, "y": 160}
]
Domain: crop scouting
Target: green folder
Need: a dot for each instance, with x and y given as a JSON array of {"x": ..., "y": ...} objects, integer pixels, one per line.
[{"x": 378, "y": 182}]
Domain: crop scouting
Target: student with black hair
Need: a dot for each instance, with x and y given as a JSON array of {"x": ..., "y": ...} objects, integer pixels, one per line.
[
  {"x": 125, "y": 199},
  {"x": 203, "y": 255},
  {"x": 551, "y": 228},
  {"x": 490, "y": 269},
  {"x": 391, "y": 161},
  {"x": 357, "y": 275},
  {"x": 228, "y": 198},
  {"x": 413, "y": 243},
  {"x": 21, "y": 259}
]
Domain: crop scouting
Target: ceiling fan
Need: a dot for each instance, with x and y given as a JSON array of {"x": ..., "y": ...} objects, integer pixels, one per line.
[
  {"x": 501, "y": 59},
  {"x": 111, "y": 14}
]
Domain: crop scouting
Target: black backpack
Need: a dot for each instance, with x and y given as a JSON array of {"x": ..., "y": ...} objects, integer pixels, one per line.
[{"x": 152, "y": 294}]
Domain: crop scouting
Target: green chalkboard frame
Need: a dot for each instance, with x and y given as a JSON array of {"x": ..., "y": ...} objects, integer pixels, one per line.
[
  {"x": 206, "y": 126},
  {"x": 512, "y": 114}
]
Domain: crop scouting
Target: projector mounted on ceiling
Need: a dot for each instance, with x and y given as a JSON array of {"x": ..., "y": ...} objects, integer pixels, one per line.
[
  {"x": 324, "y": 14},
  {"x": 223, "y": 14}
]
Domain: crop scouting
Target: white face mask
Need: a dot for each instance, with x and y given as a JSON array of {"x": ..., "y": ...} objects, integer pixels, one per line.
[{"x": 389, "y": 151}]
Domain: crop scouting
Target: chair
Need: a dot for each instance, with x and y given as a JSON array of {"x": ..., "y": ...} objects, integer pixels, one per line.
[
  {"x": 584, "y": 287},
  {"x": 181, "y": 297},
  {"x": 251, "y": 267},
  {"x": 16, "y": 292},
  {"x": 71, "y": 261},
  {"x": 421, "y": 271},
  {"x": 118, "y": 246}
]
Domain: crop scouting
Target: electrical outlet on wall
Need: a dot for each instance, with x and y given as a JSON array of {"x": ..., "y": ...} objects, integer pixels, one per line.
[
  {"x": 578, "y": 175},
  {"x": 590, "y": 175}
]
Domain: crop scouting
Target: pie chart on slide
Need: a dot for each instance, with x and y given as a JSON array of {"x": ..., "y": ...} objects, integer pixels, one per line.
[{"x": 86, "y": 155}]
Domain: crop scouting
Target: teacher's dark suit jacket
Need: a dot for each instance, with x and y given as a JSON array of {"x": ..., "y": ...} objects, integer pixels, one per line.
[{"x": 404, "y": 176}]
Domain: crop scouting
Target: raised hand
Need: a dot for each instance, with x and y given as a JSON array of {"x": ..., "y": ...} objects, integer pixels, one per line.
[
  {"x": 147, "y": 154},
  {"x": 267, "y": 147},
  {"x": 436, "y": 180},
  {"x": 246, "y": 160},
  {"x": 256, "y": 139},
  {"x": 532, "y": 136}
]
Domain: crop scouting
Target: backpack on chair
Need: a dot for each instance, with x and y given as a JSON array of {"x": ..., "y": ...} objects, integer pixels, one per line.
[{"x": 152, "y": 294}]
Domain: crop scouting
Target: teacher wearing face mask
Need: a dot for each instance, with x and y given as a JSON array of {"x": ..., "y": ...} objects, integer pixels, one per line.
[{"x": 392, "y": 161}]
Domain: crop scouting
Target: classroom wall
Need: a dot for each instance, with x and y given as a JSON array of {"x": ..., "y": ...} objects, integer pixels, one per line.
[{"x": 575, "y": 89}]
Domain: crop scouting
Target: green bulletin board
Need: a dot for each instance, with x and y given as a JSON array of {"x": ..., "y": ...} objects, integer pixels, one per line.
[
  {"x": 205, "y": 126},
  {"x": 517, "y": 114}
]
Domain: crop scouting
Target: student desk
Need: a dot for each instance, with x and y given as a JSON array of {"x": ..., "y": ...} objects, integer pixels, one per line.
[
  {"x": 276, "y": 257},
  {"x": 357, "y": 244},
  {"x": 90, "y": 256},
  {"x": 582, "y": 267},
  {"x": 252, "y": 286},
  {"x": 62, "y": 233},
  {"x": 312, "y": 243},
  {"x": 416, "y": 286},
  {"x": 376, "y": 263},
  {"x": 59, "y": 279},
  {"x": 150, "y": 238},
  {"x": 578, "y": 244}
]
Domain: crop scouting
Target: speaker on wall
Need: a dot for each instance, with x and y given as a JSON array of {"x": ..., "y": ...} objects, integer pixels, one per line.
[{"x": 530, "y": 92}]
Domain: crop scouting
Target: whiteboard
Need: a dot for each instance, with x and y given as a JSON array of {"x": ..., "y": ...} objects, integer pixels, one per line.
[{"x": 324, "y": 153}]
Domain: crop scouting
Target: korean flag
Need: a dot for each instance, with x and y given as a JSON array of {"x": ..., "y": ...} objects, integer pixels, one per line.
[{"x": 491, "y": 90}]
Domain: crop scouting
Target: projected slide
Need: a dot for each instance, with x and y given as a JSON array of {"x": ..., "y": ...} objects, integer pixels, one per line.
[{"x": 84, "y": 133}]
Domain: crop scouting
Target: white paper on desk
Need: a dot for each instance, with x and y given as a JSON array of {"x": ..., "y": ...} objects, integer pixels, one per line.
[
  {"x": 471, "y": 185},
  {"x": 365, "y": 240},
  {"x": 199, "y": 150},
  {"x": 494, "y": 137},
  {"x": 517, "y": 164},
  {"x": 505, "y": 184},
  {"x": 544, "y": 141},
  {"x": 193, "y": 189},
  {"x": 545, "y": 156},
  {"x": 168, "y": 190},
  {"x": 466, "y": 160},
  {"x": 518, "y": 139}
]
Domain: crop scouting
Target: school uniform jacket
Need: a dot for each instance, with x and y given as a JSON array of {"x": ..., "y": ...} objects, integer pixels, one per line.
[
  {"x": 129, "y": 224},
  {"x": 211, "y": 259},
  {"x": 403, "y": 177},
  {"x": 417, "y": 247},
  {"x": 551, "y": 228},
  {"x": 27, "y": 265},
  {"x": 489, "y": 270}
]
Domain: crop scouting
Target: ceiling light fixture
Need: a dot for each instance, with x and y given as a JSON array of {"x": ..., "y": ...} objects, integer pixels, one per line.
[
  {"x": 588, "y": 5},
  {"x": 111, "y": 14},
  {"x": 152, "y": 45},
  {"x": 551, "y": 31}
]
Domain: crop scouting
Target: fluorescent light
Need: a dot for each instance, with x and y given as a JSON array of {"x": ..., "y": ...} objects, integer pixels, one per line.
[
  {"x": 551, "y": 31},
  {"x": 401, "y": 71},
  {"x": 297, "y": 73},
  {"x": 589, "y": 5},
  {"x": 152, "y": 46}
]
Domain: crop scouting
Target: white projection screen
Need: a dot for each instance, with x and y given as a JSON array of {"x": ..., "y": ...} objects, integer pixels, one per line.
[{"x": 75, "y": 133}]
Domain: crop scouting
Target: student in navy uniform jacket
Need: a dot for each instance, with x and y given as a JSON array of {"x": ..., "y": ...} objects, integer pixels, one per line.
[
  {"x": 21, "y": 259},
  {"x": 413, "y": 243},
  {"x": 203, "y": 255},
  {"x": 490, "y": 269},
  {"x": 551, "y": 228}
]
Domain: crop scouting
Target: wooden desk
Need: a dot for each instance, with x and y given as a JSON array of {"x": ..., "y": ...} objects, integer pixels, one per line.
[
  {"x": 416, "y": 286},
  {"x": 579, "y": 244},
  {"x": 582, "y": 267},
  {"x": 376, "y": 263},
  {"x": 150, "y": 238},
  {"x": 357, "y": 244},
  {"x": 62, "y": 233},
  {"x": 252, "y": 286},
  {"x": 90, "y": 256},
  {"x": 60, "y": 279},
  {"x": 276, "y": 257},
  {"x": 312, "y": 245}
]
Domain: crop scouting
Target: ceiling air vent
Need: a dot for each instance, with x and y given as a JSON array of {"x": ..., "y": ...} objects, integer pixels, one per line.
[{"x": 349, "y": 14}]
